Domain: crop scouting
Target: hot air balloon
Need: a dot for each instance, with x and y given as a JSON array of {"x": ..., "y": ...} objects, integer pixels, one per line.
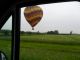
[{"x": 33, "y": 15}]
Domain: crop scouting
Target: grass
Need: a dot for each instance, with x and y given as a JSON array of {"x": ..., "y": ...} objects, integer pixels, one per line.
[
  {"x": 5, "y": 46},
  {"x": 36, "y": 51},
  {"x": 54, "y": 39},
  {"x": 50, "y": 47},
  {"x": 45, "y": 47}
]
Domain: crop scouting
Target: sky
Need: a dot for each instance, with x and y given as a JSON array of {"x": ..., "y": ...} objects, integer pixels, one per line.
[{"x": 64, "y": 17}]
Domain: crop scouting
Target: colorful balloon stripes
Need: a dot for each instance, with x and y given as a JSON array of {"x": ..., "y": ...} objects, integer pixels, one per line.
[{"x": 33, "y": 15}]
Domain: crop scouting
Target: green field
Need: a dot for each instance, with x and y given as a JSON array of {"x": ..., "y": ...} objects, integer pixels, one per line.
[{"x": 45, "y": 47}]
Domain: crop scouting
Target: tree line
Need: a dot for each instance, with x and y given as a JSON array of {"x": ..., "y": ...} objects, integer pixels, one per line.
[
  {"x": 49, "y": 32},
  {"x": 5, "y": 32},
  {"x": 55, "y": 32}
]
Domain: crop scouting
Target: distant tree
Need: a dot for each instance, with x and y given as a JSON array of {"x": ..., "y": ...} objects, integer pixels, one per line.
[
  {"x": 6, "y": 33},
  {"x": 50, "y": 32},
  {"x": 37, "y": 32},
  {"x": 70, "y": 32},
  {"x": 29, "y": 32},
  {"x": 53, "y": 32},
  {"x": 56, "y": 32},
  {"x": 22, "y": 32}
]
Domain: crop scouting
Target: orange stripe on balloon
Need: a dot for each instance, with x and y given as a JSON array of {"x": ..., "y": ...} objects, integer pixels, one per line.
[{"x": 33, "y": 15}]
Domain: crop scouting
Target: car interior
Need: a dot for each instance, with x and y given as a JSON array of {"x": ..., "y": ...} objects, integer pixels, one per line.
[{"x": 11, "y": 17}]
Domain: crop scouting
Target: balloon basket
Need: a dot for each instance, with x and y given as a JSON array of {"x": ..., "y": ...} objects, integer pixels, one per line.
[{"x": 32, "y": 28}]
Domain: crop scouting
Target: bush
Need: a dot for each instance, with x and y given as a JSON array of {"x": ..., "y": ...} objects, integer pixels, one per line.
[{"x": 53, "y": 32}]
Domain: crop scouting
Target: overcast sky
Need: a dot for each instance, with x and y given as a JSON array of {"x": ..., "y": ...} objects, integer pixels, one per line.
[{"x": 64, "y": 17}]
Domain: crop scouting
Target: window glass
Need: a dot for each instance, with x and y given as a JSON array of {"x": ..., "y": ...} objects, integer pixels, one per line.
[
  {"x": 55, "y": 37},
  {"x": 5, "y": 38}
]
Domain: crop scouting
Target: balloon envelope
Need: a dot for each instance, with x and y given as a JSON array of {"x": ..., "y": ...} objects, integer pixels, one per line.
[{"x": 33, "y": 15}]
